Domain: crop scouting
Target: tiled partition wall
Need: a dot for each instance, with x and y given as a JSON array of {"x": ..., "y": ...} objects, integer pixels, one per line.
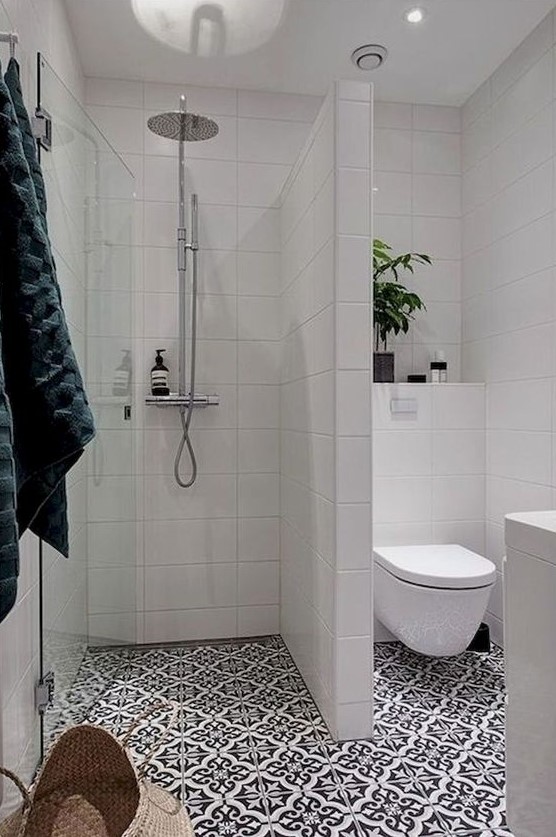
[
  {"x": 429, "y": 465},
  {"x": 325, "y": 404},
  {"x": 418, "y": 207},
  {"x": 41, "y": 26},
  {"x": 508, "y": 280},
  {"x": 208, "y": 557}
]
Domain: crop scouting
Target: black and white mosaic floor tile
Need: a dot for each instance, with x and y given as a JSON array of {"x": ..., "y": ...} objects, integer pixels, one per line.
[
  {"x": 230, "y": 818},
  {"x": 294, "y": 769},
  {"x": 312, "y": 814},
  {"x": 390, "y": 810},
  {"x": 250, "y": 756},
  {"x": 466, "y": 801},
  {"x": 221, "y": 775}
]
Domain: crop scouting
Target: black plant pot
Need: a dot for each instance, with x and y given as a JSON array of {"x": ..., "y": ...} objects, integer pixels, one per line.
[{"x": 383, "y": 367}]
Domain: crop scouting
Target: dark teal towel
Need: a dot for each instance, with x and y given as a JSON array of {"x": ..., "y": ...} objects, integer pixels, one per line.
[
  {"x": 51, "y": 521},
  {"x": 51, "y": 417},
  {"x": 9, "y": 549}
]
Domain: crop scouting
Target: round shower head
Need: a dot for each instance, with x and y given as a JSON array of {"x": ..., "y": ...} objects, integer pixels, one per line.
[{"x": 177, "y": 125}]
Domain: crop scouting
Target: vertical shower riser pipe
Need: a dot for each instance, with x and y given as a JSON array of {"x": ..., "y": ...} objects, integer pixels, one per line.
[{"x": 182, "y": 267}]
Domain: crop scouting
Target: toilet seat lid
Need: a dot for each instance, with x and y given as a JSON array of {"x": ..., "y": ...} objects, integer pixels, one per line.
[{"x": 446, "y": 566}]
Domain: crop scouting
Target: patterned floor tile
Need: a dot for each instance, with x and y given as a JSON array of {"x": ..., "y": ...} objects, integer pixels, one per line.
[
  {"x": 204, "y": 735},
  {"x": 311, "y": 814},
  {"x": 294, "y": 769},
  {"x": 230, "y": 818},
  {"x": 390, "y": 810},
  {"x": 426, "y": 756},
  {"x": 252, "y": 757},
  {"x": 466, "y": 802},
  {"x": 166, "y": 766},
  {"x": 276, "y": 729},
  {"x": 360, "y": 762},
  {"x": 219, "y": 775},
  {"x": 211, "y": 703}
]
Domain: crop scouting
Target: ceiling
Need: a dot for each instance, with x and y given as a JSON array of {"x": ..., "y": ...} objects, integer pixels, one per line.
[{"x": 440, "y": 61}]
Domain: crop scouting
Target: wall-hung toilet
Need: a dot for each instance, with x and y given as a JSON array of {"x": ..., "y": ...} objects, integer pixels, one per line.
[{"x": 432, "y": 598}]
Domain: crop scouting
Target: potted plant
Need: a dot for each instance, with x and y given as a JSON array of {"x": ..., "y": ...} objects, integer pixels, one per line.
[{"x": 394, "y": 305}]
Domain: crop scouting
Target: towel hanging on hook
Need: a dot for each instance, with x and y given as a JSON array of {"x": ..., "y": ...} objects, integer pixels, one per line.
[{"x": 11, "y": 38}]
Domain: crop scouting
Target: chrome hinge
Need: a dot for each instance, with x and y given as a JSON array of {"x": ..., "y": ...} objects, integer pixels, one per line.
[
  {"x": 42, "y": 128},
  {"x": 44, "y": 692}
]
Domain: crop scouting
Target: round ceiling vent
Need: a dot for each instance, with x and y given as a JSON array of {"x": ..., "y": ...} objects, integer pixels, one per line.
[{"x": 369, "y": 57}]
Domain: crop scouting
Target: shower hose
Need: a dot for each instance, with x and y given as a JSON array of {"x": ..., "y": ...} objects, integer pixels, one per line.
[{"x": 186, "y": 413}]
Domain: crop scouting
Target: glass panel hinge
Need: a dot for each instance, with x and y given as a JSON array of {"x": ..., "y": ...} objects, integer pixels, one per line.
[
  {"x": 44, "y": 692},
  {"x": 42, "y": 128}
]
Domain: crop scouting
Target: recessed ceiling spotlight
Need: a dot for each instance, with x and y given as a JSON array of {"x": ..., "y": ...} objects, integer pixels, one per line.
[
  {"x": 416, "y": 15},
  {"x": 369, "y": 57}
]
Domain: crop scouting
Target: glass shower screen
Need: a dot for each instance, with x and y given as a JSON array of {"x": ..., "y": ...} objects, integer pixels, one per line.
[{"x": 91, "y": 599}]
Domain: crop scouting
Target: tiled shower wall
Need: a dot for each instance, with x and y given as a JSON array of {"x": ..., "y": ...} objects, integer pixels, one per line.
[
  {"x": 325, "y": 412},
  {"x": 509, "y": 337},
  {"x": 42, "y": 26},
  {"x": 209, "y": 556}
]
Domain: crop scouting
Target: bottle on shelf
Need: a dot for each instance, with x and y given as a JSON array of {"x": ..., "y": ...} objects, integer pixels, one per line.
[{"x": 160, "y": 375}]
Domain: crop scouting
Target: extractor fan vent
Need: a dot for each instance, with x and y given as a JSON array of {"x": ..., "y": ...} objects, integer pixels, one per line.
[{"x": 369, "y": 57}]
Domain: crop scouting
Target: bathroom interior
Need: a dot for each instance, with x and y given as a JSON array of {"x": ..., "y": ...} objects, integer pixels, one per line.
[{"x": 317, "y": 514}]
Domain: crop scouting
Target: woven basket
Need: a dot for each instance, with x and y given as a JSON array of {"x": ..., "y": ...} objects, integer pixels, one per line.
[{"x": 90, "y": 787}]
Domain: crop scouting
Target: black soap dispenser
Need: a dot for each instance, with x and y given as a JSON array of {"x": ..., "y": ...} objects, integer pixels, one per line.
[{"x": 160, "y": 375}]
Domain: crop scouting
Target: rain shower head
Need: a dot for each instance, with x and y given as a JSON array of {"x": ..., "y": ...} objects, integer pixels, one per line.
[{"x": 179, "y": 125}]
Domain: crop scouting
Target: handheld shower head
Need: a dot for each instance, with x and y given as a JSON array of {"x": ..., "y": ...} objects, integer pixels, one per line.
[{"x": 182, "y": 126}]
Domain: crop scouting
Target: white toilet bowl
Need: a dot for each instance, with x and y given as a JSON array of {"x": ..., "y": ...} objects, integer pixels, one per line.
[{"x": 432, "y": 598}]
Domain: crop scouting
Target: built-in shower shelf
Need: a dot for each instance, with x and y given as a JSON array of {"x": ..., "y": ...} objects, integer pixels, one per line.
[{"x": 175, "y": 400}]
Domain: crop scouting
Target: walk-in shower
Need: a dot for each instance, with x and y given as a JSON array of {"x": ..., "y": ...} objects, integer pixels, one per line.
[{"x": 185, "y": 127}]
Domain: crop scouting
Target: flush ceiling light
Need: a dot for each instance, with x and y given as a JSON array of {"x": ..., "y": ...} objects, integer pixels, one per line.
[
  {"x": 416, "y": 15},
  {"x": 211, "y": 27}
]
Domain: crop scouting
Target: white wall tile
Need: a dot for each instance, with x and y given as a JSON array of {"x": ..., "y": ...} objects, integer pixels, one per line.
[
  {"x": 397, "y": 500},
  {"x": 458, "y": 452},
  {"x": 260, "y": 184},
  {"x": 270, "y": 140},
  {"x": 353, "y": 405},
  {"x": 402, "y": 453},
  {"x": 218, "y": 101},
  {"x": 458, "y": 498},
  {"x": 258, "y": 583},
  {"x": 258, "y": 495},
  {"x": 393, "y": 150},
  {"x": 259, "y": 539},
  {"x": 437, "y": 118},
  {"x": 353, "y": 324},
  {"x": 393, "y": 194},
  {"x": 436, "y": 153},
  {"x": 122, "y": 127},
  {"x": 353, "y": 470},
  {"x": 203, "y": 623},
  {"x": 438, "y": 195},
  {"x": 354, "y": 128},
  {"x": 254, "y": 103},
  {"x": 190, "y": 541},
  {"x": 353, "y": 536},
  {"x": 114, "y": 92},
  {"x": 261, "y": 620},
  {"x": 393, "y": 115},
  {"x": 354, "y": 603}
]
